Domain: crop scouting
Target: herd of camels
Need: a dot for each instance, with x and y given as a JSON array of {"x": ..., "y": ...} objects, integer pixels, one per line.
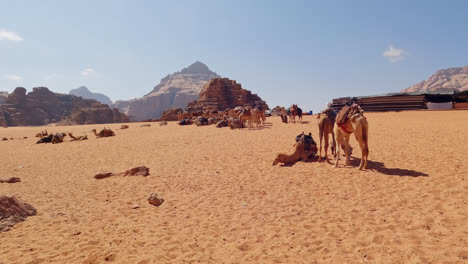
[{"x": 350, "y": 120}]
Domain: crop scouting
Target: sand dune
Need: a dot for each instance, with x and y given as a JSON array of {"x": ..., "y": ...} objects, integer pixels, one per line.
[{"x": 226, "y": 203}]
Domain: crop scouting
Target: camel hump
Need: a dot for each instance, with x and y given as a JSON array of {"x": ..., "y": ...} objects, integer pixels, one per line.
[{"x": 343, "y": 115}]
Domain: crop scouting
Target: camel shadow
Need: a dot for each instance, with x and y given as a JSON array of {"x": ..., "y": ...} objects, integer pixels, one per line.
[
  {"x": 314, "y": 159},
  {"x": 264, "y": 126},
  {"x": 380, "y": 167}
]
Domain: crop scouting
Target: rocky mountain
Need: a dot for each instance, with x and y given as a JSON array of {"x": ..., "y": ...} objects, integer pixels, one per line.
[
  {"x": 41, "y": 107},
  {"x": 443, "y": 80},
  {"x": 174, "y": 91},
  {"x": 222, "y": 93},
  {"x": 3, "y": 97},
  {"x": 84, "y": 92}
]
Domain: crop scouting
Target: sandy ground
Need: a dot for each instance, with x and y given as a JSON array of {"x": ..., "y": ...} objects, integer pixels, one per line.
[{"x": 226, "y": 203}]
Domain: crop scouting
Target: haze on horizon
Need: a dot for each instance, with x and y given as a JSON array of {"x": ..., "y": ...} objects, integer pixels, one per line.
[{"x": 304, "y": 52}]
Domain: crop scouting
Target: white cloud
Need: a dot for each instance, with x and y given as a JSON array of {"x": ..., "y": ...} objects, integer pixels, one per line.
[
  {"x": 88, "y": 72},
  {"x": 8, "y": 35},
  {"x": 394, "y": 54},
  {"x": 51, "y": 76},
  {"x": 12, "y": 77}
]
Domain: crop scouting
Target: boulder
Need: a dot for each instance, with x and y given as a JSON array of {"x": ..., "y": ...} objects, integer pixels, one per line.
[
  {"x": 142, "y": 171},
  {"x": 13, "y": 211},
  {"x": 155, "y": 200},
  {"x": 171, "y": 114},
  {"x": 10, "y": 180},
  {"x": 103, "y": 175},
  {"x": 222, "y": 94}
]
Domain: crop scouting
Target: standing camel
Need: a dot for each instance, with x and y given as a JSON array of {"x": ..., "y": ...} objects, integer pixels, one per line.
[
  {"x": 355, "y": 123},
  {"x": 326, "y": 124},
  {"x": 293, "y": 113}
]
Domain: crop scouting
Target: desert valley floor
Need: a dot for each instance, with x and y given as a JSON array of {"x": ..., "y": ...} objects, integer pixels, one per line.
[{"x": 226, "y": 203}]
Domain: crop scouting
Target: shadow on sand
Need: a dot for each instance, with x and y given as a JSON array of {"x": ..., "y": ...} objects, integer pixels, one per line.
[
  {"x": 380, "y": 167},
  {"x": 265, "y": 126},
  {"x": 372, "y": 166},
  {"x": 314, "y": 159}
]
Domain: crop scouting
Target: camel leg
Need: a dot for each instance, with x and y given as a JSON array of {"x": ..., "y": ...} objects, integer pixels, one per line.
[
  {"x": 364, "y": 150},
  {"x": 321, "y": 136},
  {"x": 326, "y": 147},
  {"x": 334, "y": 143},
  {"x": 347, "y": 147},
  {"x": 338, "y": 145}
]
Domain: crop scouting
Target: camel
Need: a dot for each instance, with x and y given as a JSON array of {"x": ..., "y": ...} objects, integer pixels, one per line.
[
  {"x": 355, "y": 123},
  {"x": 42, "y": 134},
  {"x": 246, "y": 115},
  {"x": 293, "y": 113},
  {"x": 326, "y": 124},
  {"x": 106, "y": 132},
  {"x": 78, "y": 138},
  {"x": 299, "y": 154},
  {"x": 52, "y": 138}
]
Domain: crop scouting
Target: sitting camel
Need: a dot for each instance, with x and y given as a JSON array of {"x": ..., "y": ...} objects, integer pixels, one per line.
[
  {"x": 305, "y": 148},
  {"x": 52, "y": 138},
  {"x": 106, "y": 132},
  {"x": 354, "y": 123},
  {"x": 326, "y": 124},
  {"x": 42, "y": 134},
  {"x": 78, "y": 138}
]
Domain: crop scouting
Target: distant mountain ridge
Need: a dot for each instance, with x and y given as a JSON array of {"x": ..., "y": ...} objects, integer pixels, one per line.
[
  {"x": 84, "y": 92},
  {"x": 443, "y": 80},
  {"x": 174, "y": 90}
]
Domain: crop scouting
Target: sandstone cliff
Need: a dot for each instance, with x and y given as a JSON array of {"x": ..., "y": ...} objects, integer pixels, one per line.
[
  {"x": 84, "y": 92},
  {"x": 41, "y": 107},
  {"x": 443, "y": 80},
  {"x": 222, "y": 93},
  {"x": 3, "y": 97},
  {"x": 174, "y": 91}
]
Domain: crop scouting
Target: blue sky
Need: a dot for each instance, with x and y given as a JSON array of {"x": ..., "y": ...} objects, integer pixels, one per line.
[{"x": 304, "y": 52}]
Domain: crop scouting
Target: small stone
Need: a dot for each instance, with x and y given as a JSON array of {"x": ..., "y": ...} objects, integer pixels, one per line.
[
  {"x": 155, "y": 200},
  {"x": 4, "y": 139},
  {"x": 142, "y": 171},
  {"x": 103, "y": 175}
]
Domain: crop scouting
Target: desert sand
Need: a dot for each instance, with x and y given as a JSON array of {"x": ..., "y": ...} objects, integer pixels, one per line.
[{"x": 226, "y": 203}]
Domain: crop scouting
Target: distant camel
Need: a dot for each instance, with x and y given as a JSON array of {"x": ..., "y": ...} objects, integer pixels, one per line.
[
  {"x": 299, "y": 154},
  {"x": 355, "y": 123},
  {"x": 326, "y": 124},
  {"x": 293, "y": 113},
  {"x": 106, "y": 132},
  {"x": 78, "y": 138}
]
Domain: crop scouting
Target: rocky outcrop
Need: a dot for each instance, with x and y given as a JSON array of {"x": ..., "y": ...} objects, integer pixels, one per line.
[
  {"x": 84, "y": 92},
  {"x": 446, "y": 80},
  {"x": 222, "y": 93},
  {"x": 175, "y": 90},
  {"x": 3, "y": 97},
  {"x": 171, "y": 114},
  {"x": 13, "y": 211},
  {"x": 41, "y": 107}
]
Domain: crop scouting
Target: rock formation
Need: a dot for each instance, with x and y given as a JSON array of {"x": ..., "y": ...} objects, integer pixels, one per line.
[
  {"x": 84, "y": 92},
  {"x": 13, "y": 211},
  {"x": 41, "y": 107},
  {"x": 171, "y": 114},
  {"x": 222, "y": 93},
  {"x": 445, "y": 80},
  {"x": 3, "y": 97},
  {"x": 175, "y": 90}
]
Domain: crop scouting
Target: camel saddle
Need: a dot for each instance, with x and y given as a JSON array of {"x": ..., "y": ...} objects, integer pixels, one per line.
[
  {"x": 309, "y": 144},
  {"x": 342, "y": 116}
]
